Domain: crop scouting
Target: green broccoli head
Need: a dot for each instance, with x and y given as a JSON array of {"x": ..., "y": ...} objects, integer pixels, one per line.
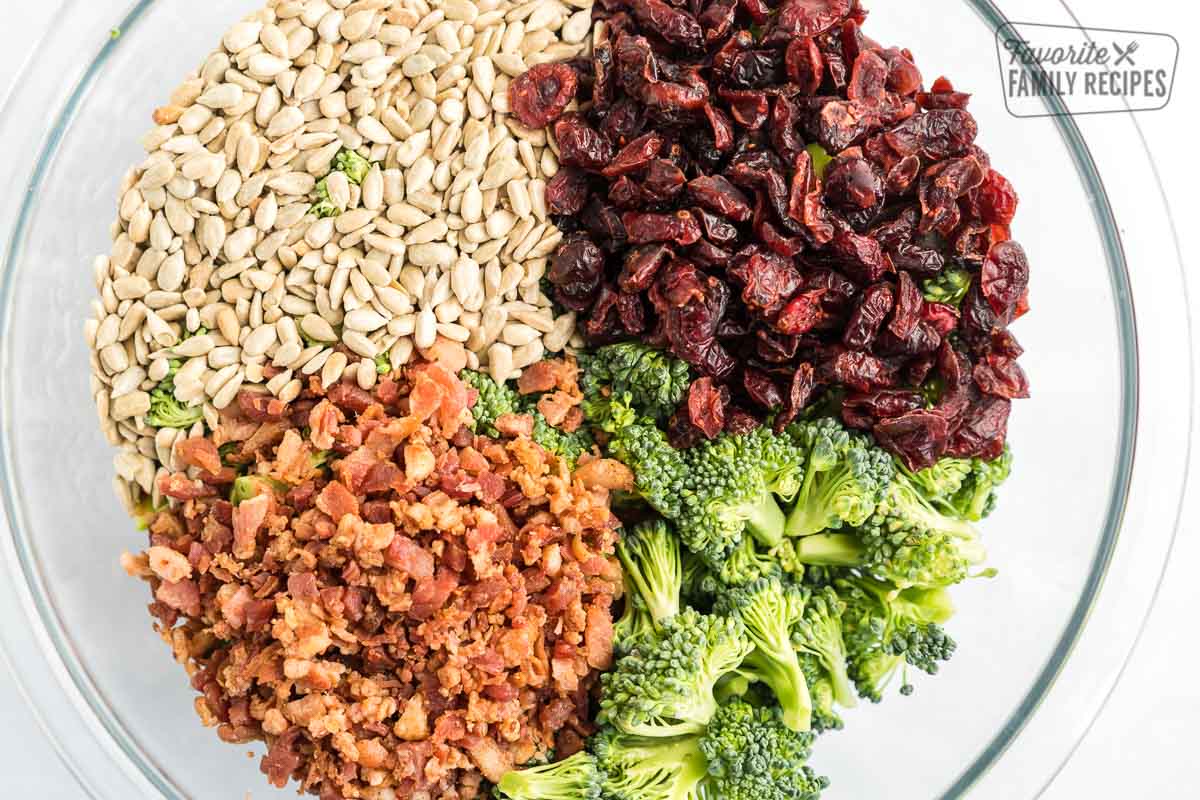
[
  {"x": 949, "y": 287},
  {"x": 769, "y": 609},
  {"x": 819, "y": 634},
  {"x": 657, "y": 380},
  {"x": 247, "y": 486},
  {"x": 664, "y": 685},
  {"x": 746, "y": 563},
  {"x": 657, "y": 768},
  {"x": 752, "y": 755},
  {"x": 911, "y": 543},
  {"x": 976, "y": 497},
  {"x": 887, "y": 628},
  {"x": 352, "y": 164},
  {"x": 726, "y": 493},
  {"x": 659, "y": 469},
  {"x": 845, "y": 478},
  {"x": 577, "y": 777},
  {"x": 825, "y": 715}
]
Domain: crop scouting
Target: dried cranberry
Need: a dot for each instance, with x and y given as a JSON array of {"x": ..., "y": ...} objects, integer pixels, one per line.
[
  {"x": 1001, "y": 377},
  {"x": 539, "y": 96},
  {"x": 919, "y": 437},
  {"x": 641, "y": 266},
  {"x": 662, "y": 181},
  {"x": 635, "y": 155},
  {"x": 716, "y": 20},
  {"x": 909, "y": 303},
  {"x": 997, "y": 199},
  {"x": 776, "y": 348},
  {"x": 983, "y": 429},
  {"x": 603, "y": 76},
  {"x": 768, "y": 281},
  {"x": 576, "y": 271},
  {"x": 861, "y": 257},
  {"x": 761, "y": 389},
  {"x": 706, "y": 406},
  {"x": 874, "y": 305},
  {"x": 942, "y": 95},
  {"x": 867, "y": 79},
  {"x": 567, "y": 192},
  {"x": 739, "y": 421},
  {"x": 631, "y": 312},
  {"x": 1004, "y": 278},
  {"x": 806, "y": 18},
  {"x": 935, "y": 135},
  {"x": 802, "y": 313},
  {"x": 719, "y": 195},
  {"x": 604, "y": 223},
  {"x": 675, "y": 26},
  {"x": 785, "y": 132},
  {"x": 903, "y": 76},
  {"x": 805, "y": 65},
  {"x": 851, "y": 183},
  {"x": 581, "y": 145},
  {"x": 722, "y": 127},
  {"x": 863, "y": 410},
  {"x": 717, "y": 229},
  {"x": 800, "y": 391},
  {"x": 749, "y": 107},
  {"x": 644, "y": 228}
]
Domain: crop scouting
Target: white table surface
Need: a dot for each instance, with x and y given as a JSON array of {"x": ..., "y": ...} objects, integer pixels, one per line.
[{"x": 1143, "y": 743}]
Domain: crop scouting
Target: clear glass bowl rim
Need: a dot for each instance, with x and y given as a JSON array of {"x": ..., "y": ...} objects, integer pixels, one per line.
[{"x": 98, "y": 710}]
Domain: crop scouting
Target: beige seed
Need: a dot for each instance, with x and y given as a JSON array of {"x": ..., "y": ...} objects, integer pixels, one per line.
[
  {"x": 134, "y": 404},
  {"x": 229, "y": 390},
  {"x": 364, "y": 320},
  {"x": 259, "y": 340},
  {"x": 334, "y": 366},
  {"x": 316, "y": 327},
  {"x": 360, "y": 344},
  {"x": 426, "y": 329}
]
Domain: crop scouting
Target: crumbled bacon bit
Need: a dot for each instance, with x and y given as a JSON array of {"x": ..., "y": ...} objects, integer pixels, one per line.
[{"x": 426, "y": 611}]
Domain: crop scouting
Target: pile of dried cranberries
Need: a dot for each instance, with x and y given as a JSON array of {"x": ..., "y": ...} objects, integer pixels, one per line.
[{"x": 778, "y": 200}]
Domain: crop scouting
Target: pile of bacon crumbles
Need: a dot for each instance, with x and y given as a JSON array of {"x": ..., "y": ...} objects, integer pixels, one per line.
[{"x": 393, "y": 603}]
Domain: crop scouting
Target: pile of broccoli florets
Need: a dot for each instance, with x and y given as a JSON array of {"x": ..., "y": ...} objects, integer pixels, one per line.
[{"x": 775, "y": 579}]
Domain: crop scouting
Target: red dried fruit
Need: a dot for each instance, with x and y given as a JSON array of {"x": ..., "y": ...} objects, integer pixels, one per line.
[
  {"x": 1004, "y": 277},
  {"x": 675, "y": 26},
  {"x": 635, "y": 155},
  {"x": 806, "y": 18},
  {"x": 873, "y": 307},
  {"x": 767, "y": 280},
  {"x": 567, "y": 192},
  {"x": 576, "y": 272},
  {"x": 805, "y": 65},
  {"x": 802, "y": 313},
  {"x": 539, "y": 96},
  {"x": 644, "y": 228},
  {"x": 825, "y": 182},
  {"x": 997, "y": 199},
  {"x": 642, "y": 265},
  {"x": 867, "y": 79},
  {"x": 706, "y": 406},
  {"x": 909, "y": 304},
  {"x": 581, "y": 145},
  {"x": 800, "y": 391},
  {"x": 761, "y": 389}
]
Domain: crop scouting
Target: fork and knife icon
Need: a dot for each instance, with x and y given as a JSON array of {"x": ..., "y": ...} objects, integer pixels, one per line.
[{"x": 1126, "y": 55}]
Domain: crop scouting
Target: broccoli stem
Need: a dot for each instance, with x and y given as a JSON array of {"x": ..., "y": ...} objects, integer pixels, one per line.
[
  {"x": 783, "y": 674},
  {"x": 830, "y": 550},
  {"x": 766, "y": 521}
]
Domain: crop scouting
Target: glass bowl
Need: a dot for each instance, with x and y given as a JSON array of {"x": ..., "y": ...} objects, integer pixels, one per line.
[{"x": 1080, "y": 538}]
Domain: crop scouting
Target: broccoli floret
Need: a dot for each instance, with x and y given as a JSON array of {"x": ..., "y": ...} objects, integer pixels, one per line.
[
  {"x": 664, "y": 685},
  {"x": 769, "y": 609},
  {"x": 575, "y": 778},
  {"x": 319, "y": 459},
  {"x": 659, "y": 469},
  {"x": 641, "y": 768},
  {"x": 887, "y": 628},
  {"x": 824, "y": 716},
  {"x": 653, "y": 379},
  {"x": 352, "y": 164},
  {"x": 383, "y": 364},
  {"x": 976, "y": 498},
  {"x": 727, "y": 492},
  {"x": 167, "y": 412},
  {"x": 650, "y": 554},
  {"x": 751, "y": 754},
  {"x": 746, "y": 563},
  {"x": 845, "y": 478},
  {"x": 911, "y": 543},
  {"x": 942, "y": 481},
  {"x": 569, "y": 446},
  {"x": 949, "y": 287},
  {"x": 819, "y": 634}
]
